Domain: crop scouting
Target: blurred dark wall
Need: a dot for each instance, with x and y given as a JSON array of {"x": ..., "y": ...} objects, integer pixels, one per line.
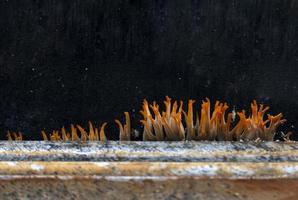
[{"x": 70, "y": 61}]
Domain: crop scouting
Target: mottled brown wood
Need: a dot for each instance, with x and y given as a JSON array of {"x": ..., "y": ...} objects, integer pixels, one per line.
[{"x": 203, "y": 189}]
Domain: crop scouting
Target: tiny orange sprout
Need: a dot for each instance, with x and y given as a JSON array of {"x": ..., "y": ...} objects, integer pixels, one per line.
[
  {"x": 93, "y": 134},
  {"x": 125, "y": 130},
  {"x": 14, "y": 136}
]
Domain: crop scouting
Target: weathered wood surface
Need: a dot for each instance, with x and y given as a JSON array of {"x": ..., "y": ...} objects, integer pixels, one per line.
[
  {"x": 148, "y": 170},
  {"x": 150, "y": 151}
]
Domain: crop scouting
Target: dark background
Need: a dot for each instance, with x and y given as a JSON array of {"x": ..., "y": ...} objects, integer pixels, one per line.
[{"x": 70, "y": 61}]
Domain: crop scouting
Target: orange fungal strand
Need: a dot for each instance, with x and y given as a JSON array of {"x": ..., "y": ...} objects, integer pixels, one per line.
[
  {"x": 102, "y": 134},
  {"x": 125, "y": 130},
  {"x": 168, "y": 124}
]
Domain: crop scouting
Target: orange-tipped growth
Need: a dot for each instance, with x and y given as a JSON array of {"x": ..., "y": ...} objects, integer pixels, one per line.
[
  {"x": 163, "y": 126},
  {"x": 125, "y": 130},
  {"x": 92, "y": 135},
  {"x": 211, "y": 125},
  {"x": 256, "y": 127},
  {"x": 169, "y": 124},
  {"x": 13, "y": 136}
]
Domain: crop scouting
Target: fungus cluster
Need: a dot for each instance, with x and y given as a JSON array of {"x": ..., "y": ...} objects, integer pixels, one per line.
[
  {"x": 94, "y": 134},
  {"x": 176, "y": 124},
  {"x": 213, "y": 124},
  {"x": 14, "y": 136}
]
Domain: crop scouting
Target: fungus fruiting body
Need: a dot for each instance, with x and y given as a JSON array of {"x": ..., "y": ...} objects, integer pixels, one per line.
[
  {"x": 93, "y": 135},
  {"x": 14, "y": 136},
  {"x": 125, "y": 130},
  {"x": 211, "y": 125},
  {"x": 176, "y": 124}
]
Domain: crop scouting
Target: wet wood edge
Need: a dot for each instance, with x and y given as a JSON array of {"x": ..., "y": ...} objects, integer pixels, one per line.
[
  {"x": 150, "y": 151},
  {"x": 149, "y": 170}
]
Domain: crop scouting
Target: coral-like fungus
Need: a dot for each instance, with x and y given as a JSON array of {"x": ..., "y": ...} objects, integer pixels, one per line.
[
  {"x": 211, "y": 125},
  {"x": 175, "y": 124},
  {"x": 208, "y": 127},
  {"x": 93, "y": 135},
  {"x": 255, "y": 127},
  {"x": 166, "y": 125},
  {"x": 14, "y": 136},
  {"x": 125, "y": 130}
]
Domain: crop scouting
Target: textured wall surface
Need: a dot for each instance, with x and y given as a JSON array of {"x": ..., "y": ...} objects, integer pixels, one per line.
[{"x": 70, "y": 61}]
